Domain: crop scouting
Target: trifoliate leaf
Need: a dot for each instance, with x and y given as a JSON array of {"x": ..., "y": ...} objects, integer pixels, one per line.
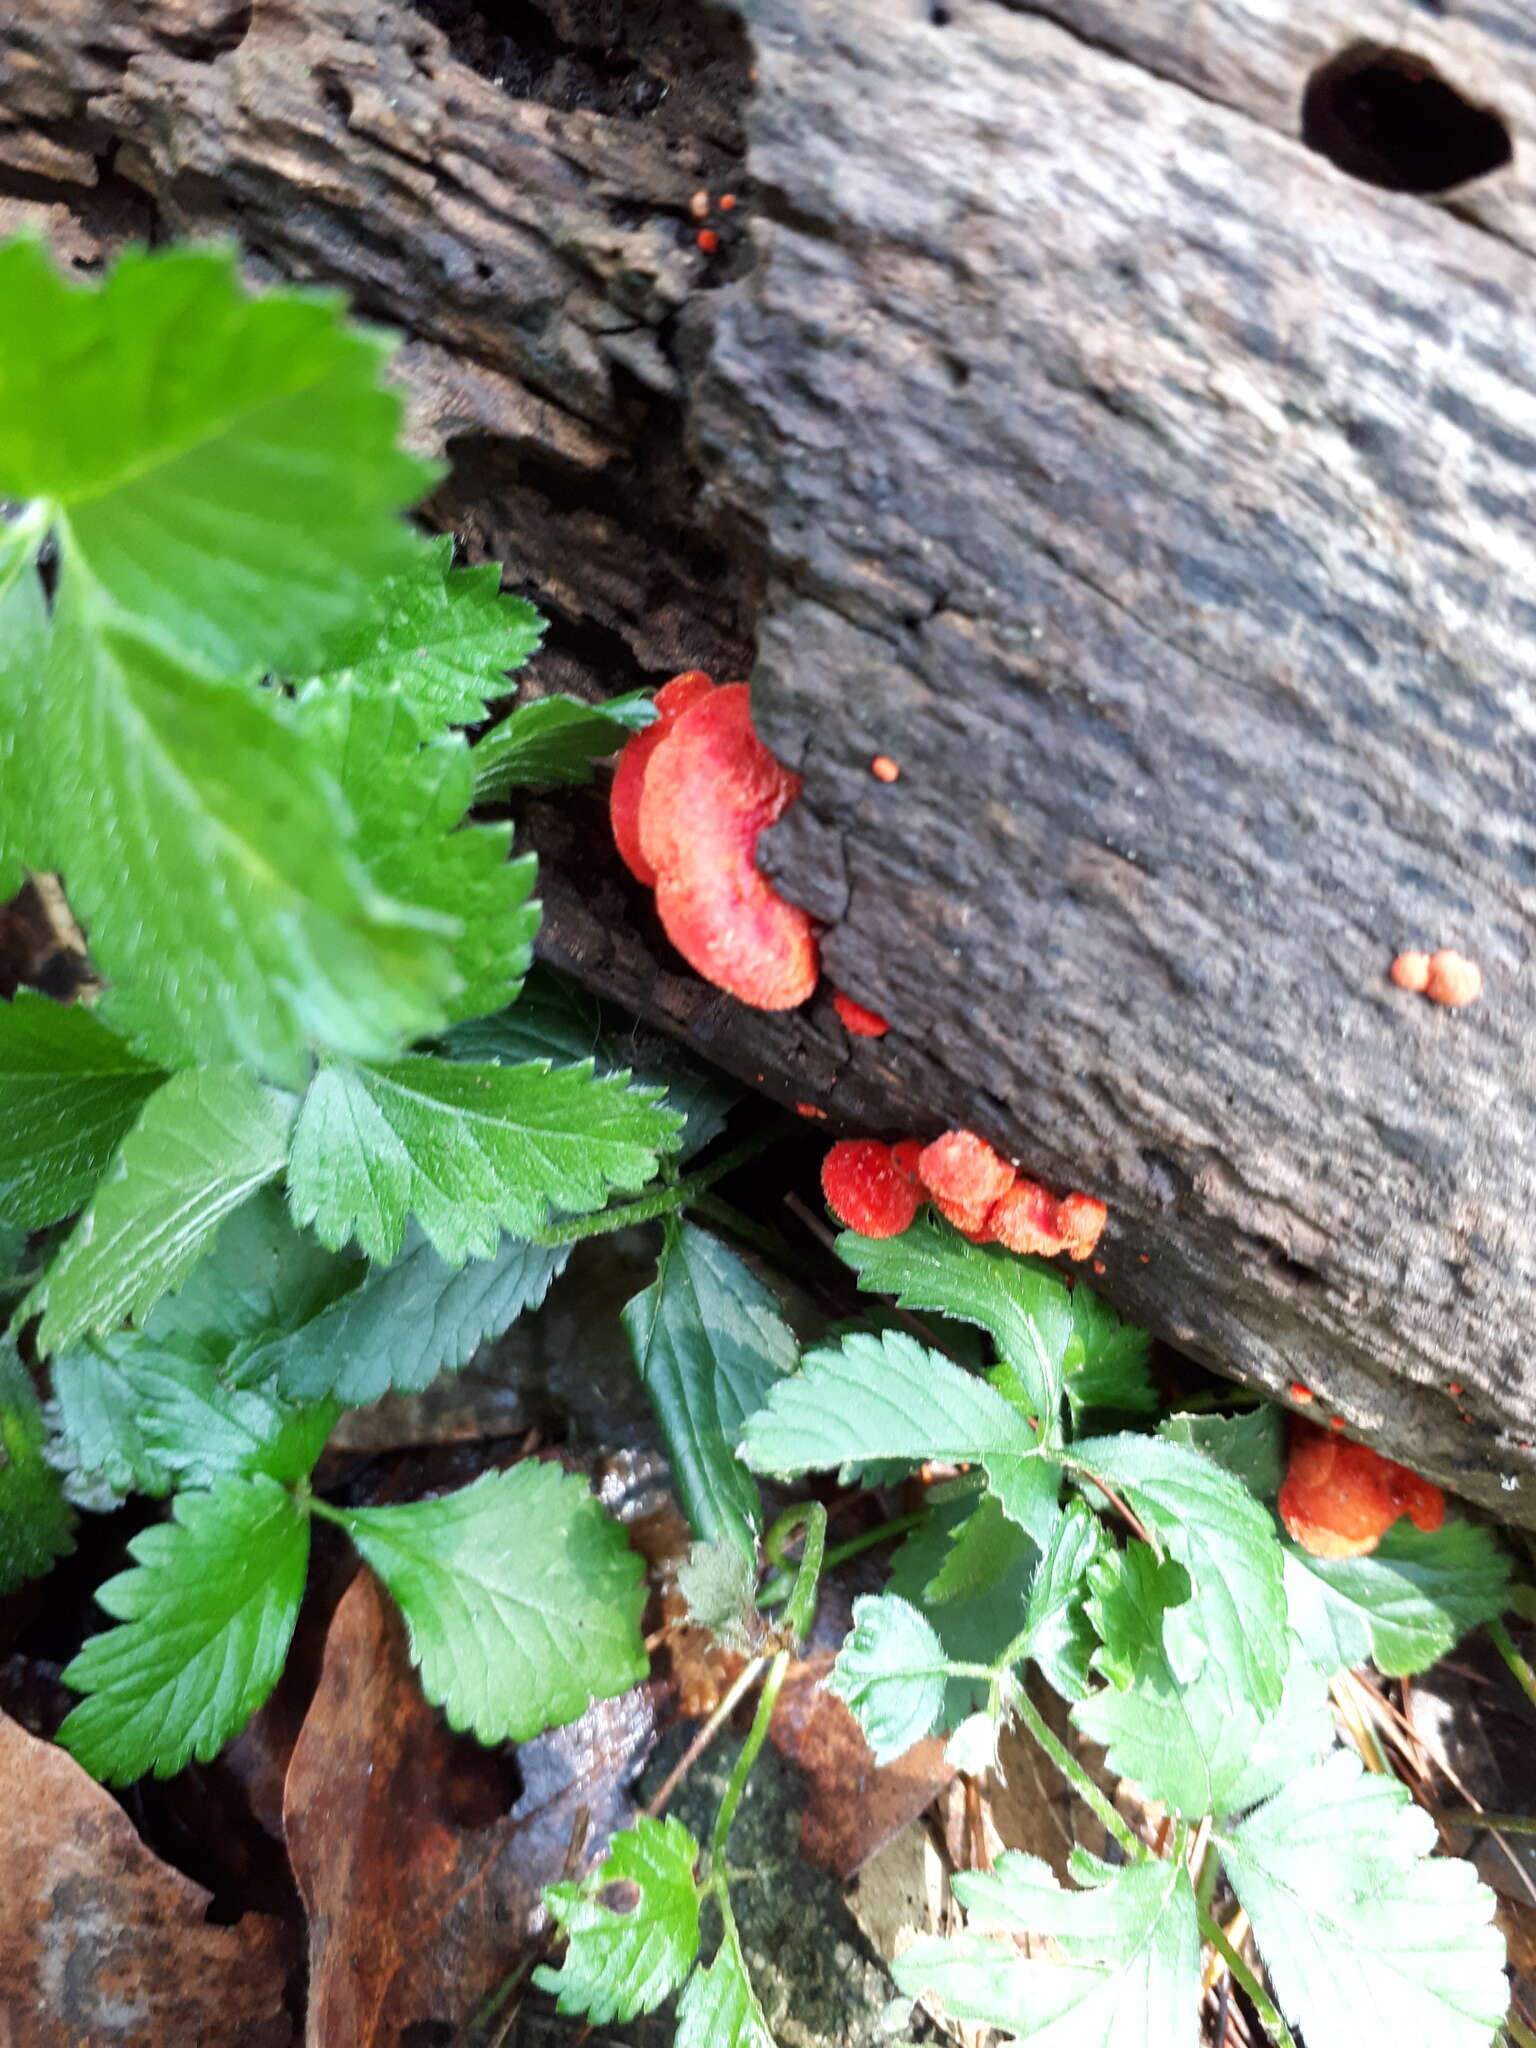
[
  {"x": 632, "y": 1929},
  {"x": 1023, "y": 1307},
  {"x": 206, "y": 1617},
  {"x": 717, "y": 1580},
  {"x": 1354, "y": 1919},
  {"x": 398, "y": 1326},
  {"x": 69, "y": 1093},
  {"x": 521, "y": 1596},
  {"x": 710, "y": 1345},
  {"x": 1236, "y": 1618},
  {"x": 975, "y": 1630},
  {"x": 1106, "y": 1363},
  {"x": 1187, "y": 1744},
  {"x": 891, "y": 1673},
  {"x": 224, "y": 468},
  {"x": 1060, "y": 1638},
  {"x": 470, "y": 1151},
  {"x": 408, "y": 797},
  {"x": 151, "y": 1415},
  {"x": 203, "y": 1143},
  {"x": 1403, "y": 1607},
  {"x": 211, "y": 858},
  {"x": 719, "y": 2008},
  {"x": 1130, "y": 1974},
  {"x": 1251, "y": 1447},
  {"x": 35, "y": 1521},
  {"x": 555, "y": 740},
  {"x": 443, "y": 639}
]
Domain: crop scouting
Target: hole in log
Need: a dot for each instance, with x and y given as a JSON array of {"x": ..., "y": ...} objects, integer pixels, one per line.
[{"x": 1388, "y": 118}]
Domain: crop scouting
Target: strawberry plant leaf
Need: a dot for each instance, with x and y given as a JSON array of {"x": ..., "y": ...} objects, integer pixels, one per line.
[
  {"x": 203, "y": 1143},
  {"x": 1060, "y": 1638},
  {"x": 719, "y": 2008},
  {"x": 553, "y": 1019},
  {"x": 1235, "y": 1621},
  {"x": 210, "y": 857},
  {"x": 1353, "y": 1916},
  {"x": 1251, "y": 1447},
  {"x": 521, "y": 1596},
  {"x": 979, "y": 1554},
  {"x": 69, "y": 1093},
  {"x": 1130, "y": 1970},
  {"x": 891, "y": 1673},
  {"x": 1403, "y": 1607},
  {"x": 222, "y": 469},
  {"x": 1106, "y": 1360},
  {"x": 555, "y": 740},
  {"x": 35, "y": 1521},
  {"x": 631, "y": 1929},
  {"x": 205, "y": 1618},
  {"x": 24, "y": 629},
  {"x": 1022, "y": 1306},
  {"x": 260, "y": 1280},
  {"x": 1187, "y": 1744},
  {"x": 709, "y": 1344},
  {"x": 468, "y": 1150},
  {"x": 443, "y": 640},
  {"x": 976, "y": 1629}
]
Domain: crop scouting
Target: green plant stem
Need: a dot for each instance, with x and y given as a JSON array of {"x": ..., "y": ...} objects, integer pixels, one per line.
[
  {"x": 810, "y": 1516},
  {"x": 1263, "y": 2004},
  {"x": 1500, "y": 1823},
  {"x": 666, "y": 1203},
  {"x": 777, "y": 1588},
  {"x": 1205, "y": 1884},
  {"x": 1519, "y": 1665},
  {"x": 1518, "y": 2031},
  {"x": 745, "y": 1679},
  {"x": 1076, "y": 1776},
  {"x": 757, "y": 1735}
]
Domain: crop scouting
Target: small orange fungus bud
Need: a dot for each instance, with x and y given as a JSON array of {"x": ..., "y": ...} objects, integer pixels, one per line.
[
  {"x": 1081, "y": 1220},
  {"x": 711, "y": 787},
  {"x": 1300, "y": 1393},
  {"x": 1340, "y": 1499},
  {"x": 861, "y": 1022},
  {"x": 707, "y": 240},
  {"x": 1454, "y": 1388},
  {"x": 1411, "y": 971},
  {"x": 866, "y": 1188},
  {"x": 1453, "y": 980},
  {"x": 727, "y": 202},
  {"x": 1028, "y": 1220},
  {"x": 672, "y": 700},
  {"x": 810, "y": 1109},
  {"x": 962, "y": 1167},
  {"x": 883, "y": 768}
]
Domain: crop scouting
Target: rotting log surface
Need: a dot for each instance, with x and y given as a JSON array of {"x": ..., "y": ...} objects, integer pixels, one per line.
[{"x": 1157, "y": 495}]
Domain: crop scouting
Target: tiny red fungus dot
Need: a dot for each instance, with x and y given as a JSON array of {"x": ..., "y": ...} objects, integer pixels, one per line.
[
  {"x": 884, "y": 769},
  {"x": 1338, "y": 1422},
  {"x": 698, "y": 205},
  {"x": 727, "y": 202},
  {"x": 710, "y": 788},
  {"x": 707, "y": 240},
  {"x": 855, "y": 1018},
  {"x": 1411, "y": 971},
  {"x": 1100, "y": 1268},
  {"x": 866, "y": 1189},
  {"x": 810, "y": 1109},
  {"x": 1454, "y": 1388},
  {"x": 1300, "y": 1393},
  {"x": 1340, "y": 1499},
  {"x": 671, "y": 700}
]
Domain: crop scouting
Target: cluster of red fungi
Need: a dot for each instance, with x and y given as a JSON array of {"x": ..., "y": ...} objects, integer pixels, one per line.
[{"x": 691, "y": 795}]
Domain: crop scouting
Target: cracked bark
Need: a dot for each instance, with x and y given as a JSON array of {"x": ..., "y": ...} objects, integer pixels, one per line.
[{"x": 1159, "y": 497}]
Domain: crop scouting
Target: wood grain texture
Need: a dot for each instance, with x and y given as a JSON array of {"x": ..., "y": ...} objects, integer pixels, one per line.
[{"x": 1159, "y": 497}]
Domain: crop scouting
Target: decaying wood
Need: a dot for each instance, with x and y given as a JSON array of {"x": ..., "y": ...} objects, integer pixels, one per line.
[{"x": 1158, "y": 496}]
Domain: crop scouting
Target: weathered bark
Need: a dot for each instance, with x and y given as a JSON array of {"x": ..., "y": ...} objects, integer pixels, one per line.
[{"x": 1159, "y": 497}]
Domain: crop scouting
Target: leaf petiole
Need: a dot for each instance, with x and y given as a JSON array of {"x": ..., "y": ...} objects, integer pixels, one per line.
[{"x": 650, "y": 1207}]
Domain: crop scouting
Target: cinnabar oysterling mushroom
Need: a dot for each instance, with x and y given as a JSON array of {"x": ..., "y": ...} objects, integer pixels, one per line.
[
  {"x": 671, "y": 701},
  {"x": 709, "y": 789},
  {"x": 856, "y": 1019},
  {"x": 867, "y": 1188},
  {"x": 1027, "y": 1220},
  {"x": 1340, "y": 1498}
]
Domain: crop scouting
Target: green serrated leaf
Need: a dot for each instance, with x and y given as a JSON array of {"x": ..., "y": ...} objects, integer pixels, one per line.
[
  {"x": 443, "y": 639},
  {"x": 150, "y": 1415},
  {"x": 632, "y": 1929},
  {"x": 891, "y": 1673},
  {"x": 1106, "y": 1368},
  {"x": 553, "y": 1019},
  {"x": 35, "y": 1521},
  {"x": 24, "y": 630},
  {"x": 977, "y": 1630},
  {"x": 408, "y": 797},
  {"x": 224, "y": 469},
  {"x": 206, "y": 1618},
  {"x": 211, "y": 858},
  {"x": 1130, "y": 1974},
  {"x": 710, "y": 1345},
  {"x": 259, "y": 1280},
  {"x": 718, "y": 2008},
  {"x": 1235, "y": 1622},
  {"x": 1188, "y": 1744},
  {"x": 1251, "y": 1447},
  {"x": 468, "y": 1150},
  {"x": 555, "y": 740},
  {"x": 203, "y": 1143},
  {"x": 978, "y": 1556},
  {"x": 1354, "y": 1918},
  {"x": 69, "y": 1093},
  {"x": 1403, "y": 1607},
  {"x": 1022, "y": 1306},
  {"x": 521, "y": 1596},
  {"x": 1061, "y": 1641}
]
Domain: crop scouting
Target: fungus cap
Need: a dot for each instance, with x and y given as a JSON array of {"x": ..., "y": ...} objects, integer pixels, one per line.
[
  {"x": 866, "y": 1188},
  {"x": 671, "y": 701},
  {"x": 856, "y": 1019},
  {"x": 1027, "y": 1220},
  {"x": 1411, "y": 971},
  {"x": 1453, "y": 980},
  {"x": 1340, "y": 1498},
  {"x": 962, "y": 1167},
  {"x": 1081, "y": 1219}
]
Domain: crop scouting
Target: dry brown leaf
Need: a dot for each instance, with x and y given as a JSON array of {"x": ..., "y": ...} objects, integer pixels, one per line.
[{"x": 100, "y": 1942}]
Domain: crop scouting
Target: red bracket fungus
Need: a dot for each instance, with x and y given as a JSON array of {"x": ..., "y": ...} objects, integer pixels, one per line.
[
  {"x": 687, "y": 809},
  {"x": 861, "y": 1023},
  {"x": 1340, "y": 1498},
  {"x": 869, "y": 1188}
]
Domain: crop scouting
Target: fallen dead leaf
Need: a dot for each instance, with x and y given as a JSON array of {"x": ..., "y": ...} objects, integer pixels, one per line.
[{"x": 101, "y": 1943}]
